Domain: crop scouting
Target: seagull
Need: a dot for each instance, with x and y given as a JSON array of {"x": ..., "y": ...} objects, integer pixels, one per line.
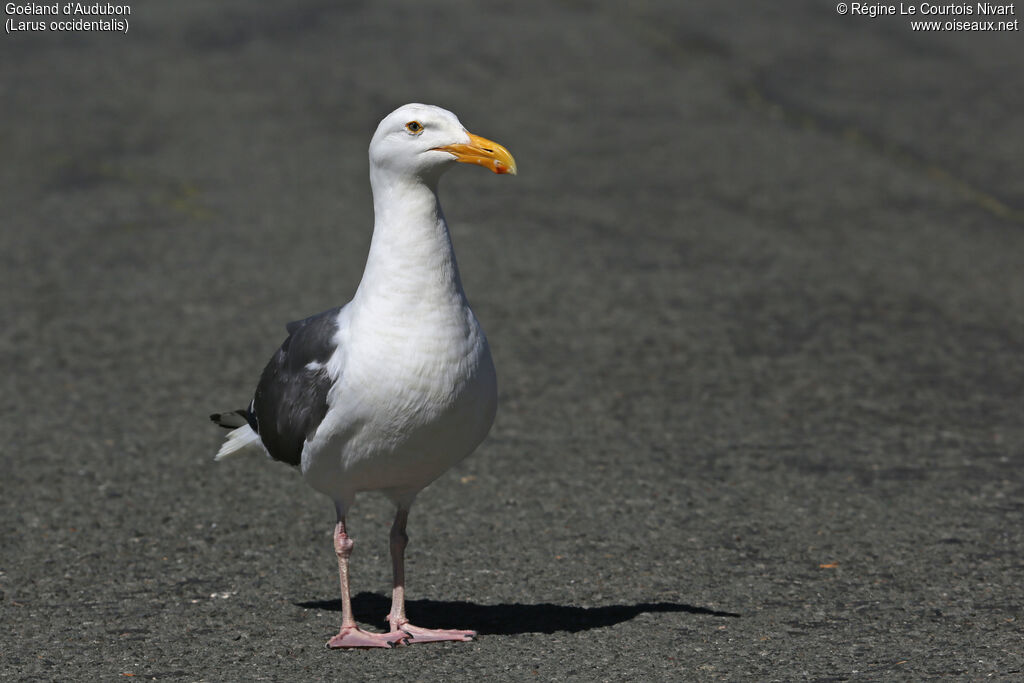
[{"x": 390, "y": 390}]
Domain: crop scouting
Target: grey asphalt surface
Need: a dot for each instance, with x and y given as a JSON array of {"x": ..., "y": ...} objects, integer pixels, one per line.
[{"x": 756, "y": 301}]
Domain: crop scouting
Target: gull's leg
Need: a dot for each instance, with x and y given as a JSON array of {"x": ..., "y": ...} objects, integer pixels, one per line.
[
  {"x": 397, "y": 618},
  {"x": 351, "y": 635}
]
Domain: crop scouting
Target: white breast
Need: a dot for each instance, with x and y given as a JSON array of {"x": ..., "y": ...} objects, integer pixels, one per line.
[
  {"x": 414, "y": 396},
  {"x": 414, "y": 389}
]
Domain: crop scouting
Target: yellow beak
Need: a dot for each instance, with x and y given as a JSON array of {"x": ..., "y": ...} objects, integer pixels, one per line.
[{"x": 482, "y": 152}]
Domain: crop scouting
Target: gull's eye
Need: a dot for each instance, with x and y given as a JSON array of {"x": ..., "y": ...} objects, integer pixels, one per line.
[{"x": 414, "y": 127}]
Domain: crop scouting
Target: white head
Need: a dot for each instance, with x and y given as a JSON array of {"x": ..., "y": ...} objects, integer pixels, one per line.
[{"x": 422, "y": 141}]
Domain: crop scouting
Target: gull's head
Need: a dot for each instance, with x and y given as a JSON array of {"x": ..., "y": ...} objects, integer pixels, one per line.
[{"x": 422, "y": 141}]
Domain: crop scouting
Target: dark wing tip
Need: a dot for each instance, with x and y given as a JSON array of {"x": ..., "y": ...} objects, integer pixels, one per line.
[{"x": 232, "y": 420}]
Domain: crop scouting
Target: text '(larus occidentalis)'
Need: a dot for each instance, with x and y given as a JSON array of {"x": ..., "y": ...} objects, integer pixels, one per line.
[{"x": 390, "y": 390}]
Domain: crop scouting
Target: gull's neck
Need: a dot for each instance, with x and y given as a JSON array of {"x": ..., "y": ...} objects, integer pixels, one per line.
[{"x": 411, "y": 263}]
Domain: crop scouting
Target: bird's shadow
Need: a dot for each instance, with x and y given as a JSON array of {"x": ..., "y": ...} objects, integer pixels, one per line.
[{"x": 506, "y": 618}]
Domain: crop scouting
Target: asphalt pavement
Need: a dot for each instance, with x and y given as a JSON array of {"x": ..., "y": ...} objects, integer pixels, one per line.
[{"x": 756, "y": 302}]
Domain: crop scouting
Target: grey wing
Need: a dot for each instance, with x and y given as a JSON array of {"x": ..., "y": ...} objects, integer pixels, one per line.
[{"x": 291, "y": 398}]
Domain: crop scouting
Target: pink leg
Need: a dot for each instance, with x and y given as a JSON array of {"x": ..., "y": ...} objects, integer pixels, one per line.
[
  {"x": 397, "y": 618},
  {"x": 350, "y": 634}
]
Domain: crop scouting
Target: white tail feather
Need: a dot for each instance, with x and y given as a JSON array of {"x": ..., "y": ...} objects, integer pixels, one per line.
[{"x": 239, "y": 441}]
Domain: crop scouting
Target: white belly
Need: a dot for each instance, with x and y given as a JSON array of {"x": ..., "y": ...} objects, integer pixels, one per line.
[{"x": 404, "y": 409}]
